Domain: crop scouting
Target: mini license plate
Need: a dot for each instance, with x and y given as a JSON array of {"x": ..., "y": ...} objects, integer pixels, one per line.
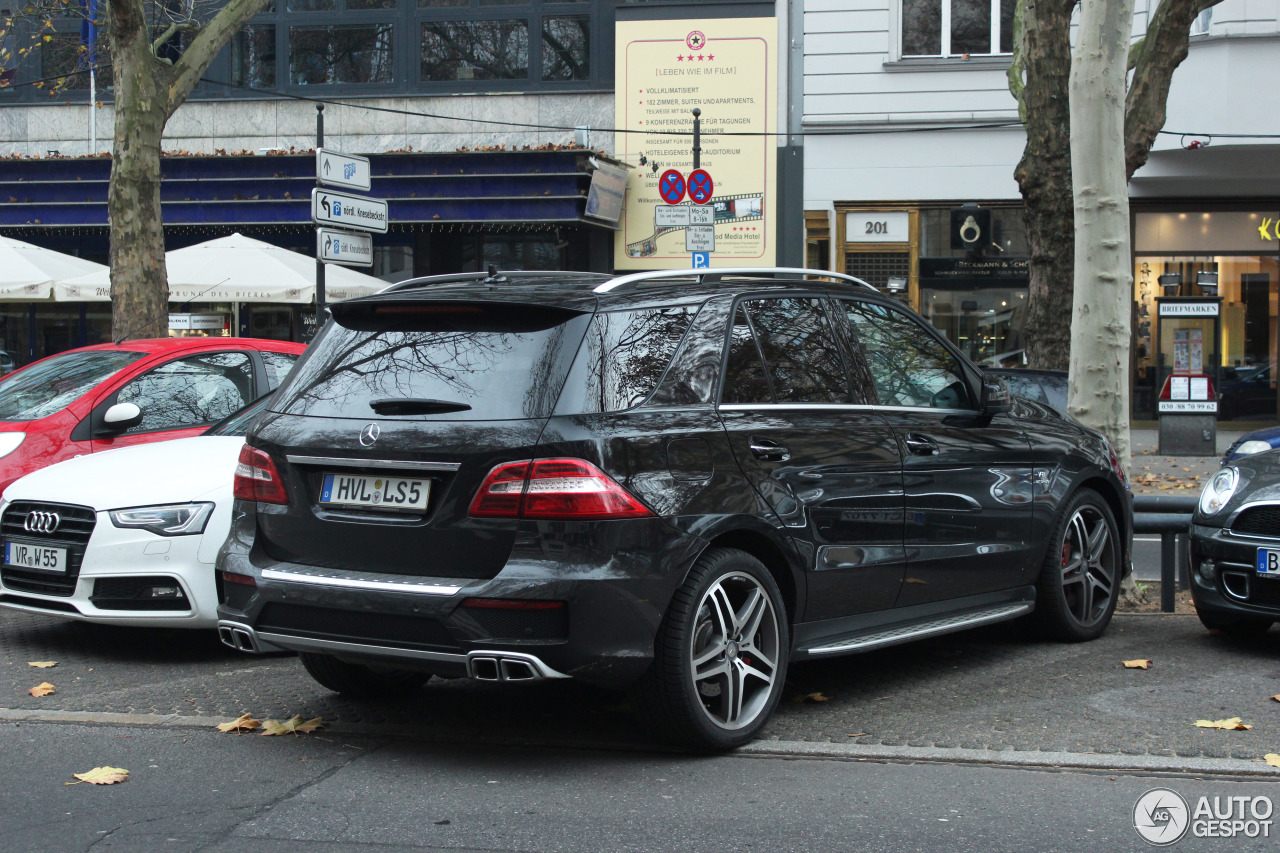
[
  {"x": 1269, "y": 562},
  {"x": 37, "y": 557},
  {"x": 374, "y": 492}
]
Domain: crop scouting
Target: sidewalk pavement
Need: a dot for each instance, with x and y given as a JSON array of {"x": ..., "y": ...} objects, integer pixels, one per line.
[{"x": 1162, "y": 474}]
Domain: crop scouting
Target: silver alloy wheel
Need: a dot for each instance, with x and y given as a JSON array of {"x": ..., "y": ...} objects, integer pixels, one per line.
[
  {"x": 735, "y": 651},
  {"x": 1088, "y": 566}
]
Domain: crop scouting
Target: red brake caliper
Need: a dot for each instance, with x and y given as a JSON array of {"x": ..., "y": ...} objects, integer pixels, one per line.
[{"x": 1066, "y": 553}]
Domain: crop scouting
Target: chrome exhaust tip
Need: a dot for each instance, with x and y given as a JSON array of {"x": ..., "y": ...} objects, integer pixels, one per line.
[
  {"x": 508, "y": 666},
  {"x": 239, "y": 637}
]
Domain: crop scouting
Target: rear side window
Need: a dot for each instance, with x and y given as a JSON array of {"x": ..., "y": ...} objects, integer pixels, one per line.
[
  {"x": 278, "y": 365},
  {"x": 622, "y": 358},
  {"x": 802, "y": 358},
  {"x": 440, "y": 361}
]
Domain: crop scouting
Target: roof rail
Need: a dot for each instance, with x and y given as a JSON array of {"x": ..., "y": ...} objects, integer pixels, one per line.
[
  {"x": 707, "y": 274},
  {"x": 423, "y": 281}
]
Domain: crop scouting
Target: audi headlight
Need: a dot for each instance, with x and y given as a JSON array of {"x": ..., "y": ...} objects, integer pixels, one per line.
[
  {"x": 171, "y": 520},
  {"x": 1218, "y": 491},
  {"x": 1254, "y": 446},
  {"x": 9, "y": 442}
]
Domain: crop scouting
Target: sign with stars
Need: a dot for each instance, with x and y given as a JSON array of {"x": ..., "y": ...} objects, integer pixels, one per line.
[{"x": 726, "y": 68}]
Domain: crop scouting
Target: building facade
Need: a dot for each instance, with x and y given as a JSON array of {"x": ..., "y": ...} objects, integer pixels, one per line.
[{"x": 910, "y": 130}]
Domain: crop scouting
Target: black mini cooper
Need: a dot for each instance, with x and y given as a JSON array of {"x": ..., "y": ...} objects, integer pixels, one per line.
[{"x": 676, "y": 482}]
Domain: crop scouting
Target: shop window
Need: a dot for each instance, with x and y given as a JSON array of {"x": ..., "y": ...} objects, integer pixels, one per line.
[
  {"x": 253, "y": 57},
  {"x": 947, "y": 28},
  {"x": 341, "y": 54},
  {"x": 475, "y": 50}
]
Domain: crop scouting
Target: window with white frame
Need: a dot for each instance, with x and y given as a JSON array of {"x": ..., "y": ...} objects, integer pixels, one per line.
[{"x": 954, "y": 28}]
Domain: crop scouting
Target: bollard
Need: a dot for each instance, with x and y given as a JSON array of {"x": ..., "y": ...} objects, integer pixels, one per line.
[{"x": 1167, "y": 566}]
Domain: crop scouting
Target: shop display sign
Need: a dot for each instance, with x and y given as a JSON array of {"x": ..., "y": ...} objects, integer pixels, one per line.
[
  {"x": 877, "y": 226},
  {"x": 723, "y": 67},
  {"x": 1188, "y": 309},
  {"x": 1188, "y": 351}
]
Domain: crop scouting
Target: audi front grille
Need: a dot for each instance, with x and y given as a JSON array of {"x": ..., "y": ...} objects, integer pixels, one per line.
[{"x": 35, "y": 522}]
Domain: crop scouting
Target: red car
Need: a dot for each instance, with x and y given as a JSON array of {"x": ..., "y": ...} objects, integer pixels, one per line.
[{"x": 115, "y": 395}]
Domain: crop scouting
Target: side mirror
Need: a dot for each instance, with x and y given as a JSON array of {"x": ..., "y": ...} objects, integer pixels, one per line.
[
  {"x": 121, "y": 416},
  {"x": 996, "y": 399}
]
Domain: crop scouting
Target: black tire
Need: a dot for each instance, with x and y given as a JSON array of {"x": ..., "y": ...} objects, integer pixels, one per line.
[
  {"x": 694, "y": 704},
  {"x": 1235, "y": 625},
  {"x": 361, "y": 682},
  {"x": 1079, "y": 581}
]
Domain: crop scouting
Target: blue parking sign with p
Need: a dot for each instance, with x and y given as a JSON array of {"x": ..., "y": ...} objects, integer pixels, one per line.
[{"x": 701, "y": 260}]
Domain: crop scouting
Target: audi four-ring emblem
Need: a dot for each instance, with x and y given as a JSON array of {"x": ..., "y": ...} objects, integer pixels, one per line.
[
  {"x": 39, "y": 521},
  {"x": 369, "y": 435}
]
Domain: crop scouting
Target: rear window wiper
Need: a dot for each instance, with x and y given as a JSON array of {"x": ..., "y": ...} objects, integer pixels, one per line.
[{"x": 416, "y": 406}]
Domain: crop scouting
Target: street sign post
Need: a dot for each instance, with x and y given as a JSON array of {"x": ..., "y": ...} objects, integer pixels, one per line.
[
  {"x": 348, "y": 211},
  {"x": 700, "y": 238},
  {"x": 349, "y": 248},
  {"x": 349, "y": 171}
]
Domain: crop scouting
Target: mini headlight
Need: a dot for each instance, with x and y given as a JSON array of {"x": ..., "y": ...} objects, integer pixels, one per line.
[
  {"x": 171, "y": 520},
  {"x": 1218, "y": 490},
  {"x": 1254, "y": 446},
  {"x": 9, "y": 441}
]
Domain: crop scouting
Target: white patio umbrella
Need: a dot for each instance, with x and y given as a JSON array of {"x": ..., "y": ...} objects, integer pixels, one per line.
[
  {"x": 31, "y": 272},
  {"x": 236, "y": 269}
]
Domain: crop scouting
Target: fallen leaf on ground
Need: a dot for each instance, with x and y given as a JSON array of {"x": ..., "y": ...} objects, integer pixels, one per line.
[
  {"x": 102, "y": 776},
  {"x": 44, "y": 688},
  {"x": 294, "y": 724},
  {"x": 42, "y": 664},
  {"x": 858, "y": 734},
  {"x": 812, "y": 697},
  {"x": 1137, "y": 663},
  {"x": 243, "y": 723},
  {"x": 1230, "y": 724},
  {"x": 1272, "y": 759}
]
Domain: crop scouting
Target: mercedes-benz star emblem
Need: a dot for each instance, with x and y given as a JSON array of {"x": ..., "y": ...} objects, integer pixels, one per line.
[
  {"x": 41, "y": 522},
  {"x": 369, "y": 435}
]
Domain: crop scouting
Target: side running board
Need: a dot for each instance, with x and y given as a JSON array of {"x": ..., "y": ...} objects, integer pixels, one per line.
[{"x": 919, "y": 630}]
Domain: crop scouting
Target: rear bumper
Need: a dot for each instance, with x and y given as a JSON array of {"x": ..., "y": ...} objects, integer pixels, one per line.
[{"x": 613, "y": 599}]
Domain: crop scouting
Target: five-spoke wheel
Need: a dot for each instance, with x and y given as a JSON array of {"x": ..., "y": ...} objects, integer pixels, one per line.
[
  {"x": 1080, "y": 580},
  {"x": 720, "y": 656}
]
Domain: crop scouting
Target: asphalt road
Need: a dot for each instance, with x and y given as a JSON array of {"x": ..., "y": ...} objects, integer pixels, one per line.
[{"x": 196, "y": 790}]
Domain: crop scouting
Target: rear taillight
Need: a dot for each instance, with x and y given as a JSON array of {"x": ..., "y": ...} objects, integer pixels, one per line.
[
  {"x": 257, "y": 478},
  {"x": 554, "y": 489}
]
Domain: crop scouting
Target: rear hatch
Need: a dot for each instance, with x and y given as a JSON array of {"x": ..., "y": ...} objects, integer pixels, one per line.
[{"x": 385, "y": 431}]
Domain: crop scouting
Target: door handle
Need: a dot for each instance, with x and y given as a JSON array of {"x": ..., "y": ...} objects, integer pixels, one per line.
[
  {"x": 921, "y": 445},
  {"x": 768, "y": 450}
]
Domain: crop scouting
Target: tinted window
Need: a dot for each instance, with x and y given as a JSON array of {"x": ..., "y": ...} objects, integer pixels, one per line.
[
  {"x": 237, "y": 423},
  {"x": 192, "y": 391},
  {"x": 691, "y": 378},
  {"x": 278, "y": 365},
  {"x": 800, "y": 350},
  {"x": 908, "y": 364},
  {"x": 622, "y": 358},
  {"x": 744, "y": 377},
  {"x": 503, "y": 361},
  {"x": 50, "y": 386}
]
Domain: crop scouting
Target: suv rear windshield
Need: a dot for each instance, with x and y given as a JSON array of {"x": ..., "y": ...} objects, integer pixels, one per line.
[
  {"x": 58, "y": 381},
  {"x": 442, "y": 360}
]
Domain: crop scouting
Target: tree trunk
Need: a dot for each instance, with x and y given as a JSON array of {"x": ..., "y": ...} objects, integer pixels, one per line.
[
  {"x": 1044, "y": 175},
  {"x": 1099, "y": 386},
  {"x": 139, "y": 284}
]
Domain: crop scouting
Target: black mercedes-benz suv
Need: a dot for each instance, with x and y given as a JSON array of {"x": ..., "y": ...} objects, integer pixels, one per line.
[{"x": 676, "y": 482}]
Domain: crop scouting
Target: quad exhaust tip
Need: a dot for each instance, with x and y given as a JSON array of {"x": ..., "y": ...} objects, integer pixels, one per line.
[
  {"x": 508, "y": 666},
  {"x": 238, "y": 637}
]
